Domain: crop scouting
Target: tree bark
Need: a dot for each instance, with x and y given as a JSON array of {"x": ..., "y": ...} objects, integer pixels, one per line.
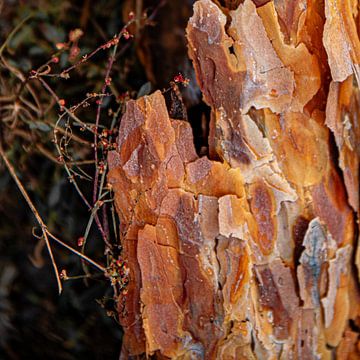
[{"x": 249, "y": 252}]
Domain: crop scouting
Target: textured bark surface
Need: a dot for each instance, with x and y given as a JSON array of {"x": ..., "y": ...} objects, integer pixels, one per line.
[{"x": 250, "y": 252}]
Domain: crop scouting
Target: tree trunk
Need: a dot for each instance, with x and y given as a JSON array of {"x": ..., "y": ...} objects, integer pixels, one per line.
[{"x": 249, "y": 252}]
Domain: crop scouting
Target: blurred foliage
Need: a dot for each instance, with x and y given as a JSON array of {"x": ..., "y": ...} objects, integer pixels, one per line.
[{"x": 34, "y": 321}]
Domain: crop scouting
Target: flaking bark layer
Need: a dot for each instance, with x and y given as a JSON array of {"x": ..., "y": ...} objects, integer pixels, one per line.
[{"x": 250, "y": 256}]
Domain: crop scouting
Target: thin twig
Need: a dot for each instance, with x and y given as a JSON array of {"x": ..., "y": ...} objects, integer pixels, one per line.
[
  {"x": 73, "y": 181},
  {"x": 35, "y": 212},
  {"x": 46, "y": 233},
  {"x": 97, "y": 121},
  {"x": 86, "y": 57},
  {"x": 78, "y": 253},
  {"x": 98, "y": 112},
  {"x": 68, "y": 112}
]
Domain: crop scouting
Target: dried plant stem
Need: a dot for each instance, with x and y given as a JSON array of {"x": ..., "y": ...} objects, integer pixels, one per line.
[
  {"x": 73, "y": 181},
  {"x": 87, "y": 57},
  {"x": 73, "y": 136},
  {"x": 83, "y": 256},
  {"x": 46, "y": 233},
  {"x": 48, "y": 154},
  {"x": 67, "y": 111},
  {"x": 35, "y": 212},
  {"x": 97, "y": 121}
]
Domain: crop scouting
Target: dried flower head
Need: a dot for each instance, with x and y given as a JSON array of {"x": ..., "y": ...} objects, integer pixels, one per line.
[
  {"x": 75, "y": 35},
  {"x": 180, "y": 79}
]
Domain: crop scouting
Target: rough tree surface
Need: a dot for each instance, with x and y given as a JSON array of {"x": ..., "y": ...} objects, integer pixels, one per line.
[{"x": 249, "y": 252}]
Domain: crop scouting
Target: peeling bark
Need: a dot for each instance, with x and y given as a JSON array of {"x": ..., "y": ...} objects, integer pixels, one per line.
[{"x": 247, "y": 253}]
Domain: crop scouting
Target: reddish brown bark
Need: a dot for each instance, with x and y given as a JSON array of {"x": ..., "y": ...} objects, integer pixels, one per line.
[{"x": 249, "y": 257}]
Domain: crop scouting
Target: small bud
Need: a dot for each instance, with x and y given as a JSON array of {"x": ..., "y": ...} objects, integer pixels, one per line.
[
  {"x": 101, "y": 168},
  {"x": 60, "y": 46},
  {"x": 126, "y": 34},
  {"x": 105, "y": 133},
  {"x": 119, "y": 262},
  {"x": 55, "y": 59},
  {"x": 63, "y": 275},
  {"x": 62, "y": 102},
  {"x": 65, "y": 75},
  {"x": 81, "y": 241}
]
